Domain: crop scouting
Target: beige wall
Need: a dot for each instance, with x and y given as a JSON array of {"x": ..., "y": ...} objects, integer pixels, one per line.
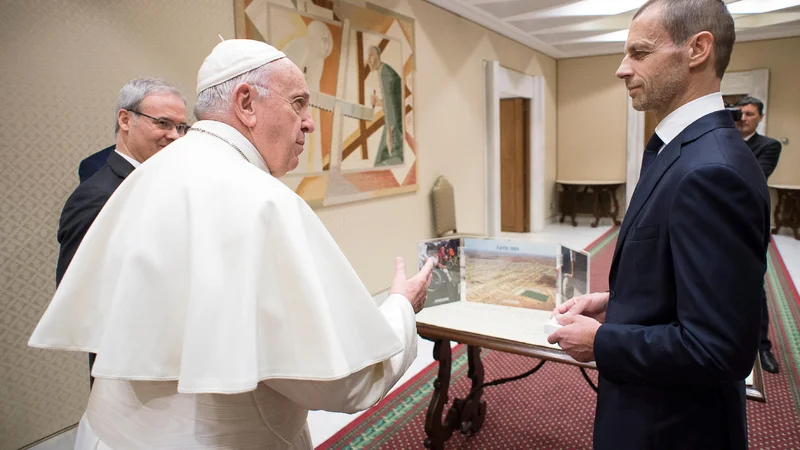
[
  {"x": 592, "y": 119},
  {"x": 592, "y": 110},
  {"x": 63, "y": 64},
  {"x": 780, "y": 56},
  {"x": 450, "y": 123}
]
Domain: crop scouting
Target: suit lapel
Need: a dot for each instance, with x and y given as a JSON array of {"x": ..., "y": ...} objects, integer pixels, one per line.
[
  {"x": 119, "y": 165},
  {"x": 668, "y": 156},
  {"x": 643, "y": 190},
  {"x": 755, "y": 144}
]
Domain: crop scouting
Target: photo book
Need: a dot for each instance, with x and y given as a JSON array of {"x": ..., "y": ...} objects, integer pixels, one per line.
[{"x": 523, "y": 274}]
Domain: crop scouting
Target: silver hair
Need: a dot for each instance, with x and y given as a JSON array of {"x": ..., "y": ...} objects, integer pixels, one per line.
[
  {"x": 216, "y": 100},
  {"x": 135, "y": 91}
]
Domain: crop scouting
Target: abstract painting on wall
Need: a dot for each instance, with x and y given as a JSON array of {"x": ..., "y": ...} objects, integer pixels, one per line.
[{"x": 359, "y": 65}]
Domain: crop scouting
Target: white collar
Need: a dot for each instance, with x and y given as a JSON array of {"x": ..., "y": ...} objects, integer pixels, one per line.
[
  {"x": 678, "y": 120},
  {"x": 750, "y": 137},
  {"x": 233, "y": 136},
  {"x": 133, "y": 162}
]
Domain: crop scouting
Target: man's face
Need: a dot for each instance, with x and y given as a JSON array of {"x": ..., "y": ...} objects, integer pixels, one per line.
[
  {"x": 750, "y": 120},
  {"x": 283, "y": 119},
  {"x": 145, "y": 137},
  {"x": 655, "y": 71}
]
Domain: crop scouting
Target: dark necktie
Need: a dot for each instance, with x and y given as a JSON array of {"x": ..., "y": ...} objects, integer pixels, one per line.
[{"x": 650, "y": 152}]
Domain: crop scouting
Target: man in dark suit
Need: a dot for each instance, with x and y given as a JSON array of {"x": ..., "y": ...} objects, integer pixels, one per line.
[
  {"x": 150, "y": 115},
  {"x": 767, "y": 151},
  {"x": 677, "y": 333},
  {"x": 94, "y": 162}
]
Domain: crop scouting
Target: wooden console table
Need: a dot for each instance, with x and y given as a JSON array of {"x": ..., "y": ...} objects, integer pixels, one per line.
[
  {"x": 501, "y": 328},
  {"x": 574, "y": 190},
  {"x": 787, "y": 210}
]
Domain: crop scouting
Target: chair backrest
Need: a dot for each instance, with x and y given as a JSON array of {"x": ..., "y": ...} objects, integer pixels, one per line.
[{"x": 444, "y": 207}]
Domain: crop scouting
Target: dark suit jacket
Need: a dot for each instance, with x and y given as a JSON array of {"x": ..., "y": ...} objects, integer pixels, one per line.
[
  {"x": 84, "y": 205},
  {"x": 767, "y": 152},
  {"x": 682, "y": 326},
  {"x": 93, "y": 163}
]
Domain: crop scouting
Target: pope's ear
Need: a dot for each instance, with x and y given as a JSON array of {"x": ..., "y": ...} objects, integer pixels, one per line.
[{"x": 243, "y": 97}]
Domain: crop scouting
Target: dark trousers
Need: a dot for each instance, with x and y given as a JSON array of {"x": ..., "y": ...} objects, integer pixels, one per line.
[{"x": 765, "y": 344}]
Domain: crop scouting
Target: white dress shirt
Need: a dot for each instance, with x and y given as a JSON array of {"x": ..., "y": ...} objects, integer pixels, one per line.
[{"x": 678, "y": 120}]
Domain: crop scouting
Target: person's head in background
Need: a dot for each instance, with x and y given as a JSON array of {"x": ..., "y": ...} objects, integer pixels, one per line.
[
  {"x": 677, "y": 51},
  {"x": 150, "y": 115},
  {"x": 752, "y": 115}
]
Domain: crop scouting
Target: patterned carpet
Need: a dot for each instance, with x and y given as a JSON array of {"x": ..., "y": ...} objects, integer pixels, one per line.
[{"x": 554, "y": 408}]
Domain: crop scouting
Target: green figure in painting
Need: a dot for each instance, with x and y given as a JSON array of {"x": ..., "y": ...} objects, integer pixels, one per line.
[{"x": 390, "y": 151}]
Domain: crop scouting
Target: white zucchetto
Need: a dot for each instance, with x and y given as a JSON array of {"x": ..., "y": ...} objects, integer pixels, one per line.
[{"x": 232, "y": 58}]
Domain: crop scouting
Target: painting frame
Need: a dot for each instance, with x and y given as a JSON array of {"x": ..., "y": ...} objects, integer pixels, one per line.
[{"x": 335, "y": 180}]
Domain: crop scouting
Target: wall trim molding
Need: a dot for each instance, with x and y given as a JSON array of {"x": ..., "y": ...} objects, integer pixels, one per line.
[{"x": 51, "y": 436}]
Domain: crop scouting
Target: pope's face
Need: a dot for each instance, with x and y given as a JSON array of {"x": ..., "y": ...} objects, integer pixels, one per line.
[{"x": 283, "y": 119}]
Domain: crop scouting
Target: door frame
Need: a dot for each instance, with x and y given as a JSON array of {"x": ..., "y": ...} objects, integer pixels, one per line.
[
  {"x": 506, "y": 83},
  {"x": 751, "y": 82}
]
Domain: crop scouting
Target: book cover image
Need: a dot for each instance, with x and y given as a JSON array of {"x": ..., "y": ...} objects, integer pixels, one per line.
[
  {"x": 573, "y": 274},
  {"x": 511, "y": 273},
  {"x": 446, "y": 278}
]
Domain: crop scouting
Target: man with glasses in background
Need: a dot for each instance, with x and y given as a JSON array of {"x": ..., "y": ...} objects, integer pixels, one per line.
[
  {"x": 150, "y": 115},
  {"x": 767, "y": 151}
]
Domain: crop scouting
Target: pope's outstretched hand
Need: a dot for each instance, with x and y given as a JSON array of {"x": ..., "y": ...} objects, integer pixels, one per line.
[{"x": 415, "y": 289}]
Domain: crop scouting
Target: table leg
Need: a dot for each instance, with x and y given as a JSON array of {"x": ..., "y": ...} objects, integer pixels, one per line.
[
  {"x": 616, "y": 205},
  {"x": 777, "y": 217},
  {"x": 472, "y": 410},
  {"x": 597, "y": 210},
  {"x": 568, "y": 203},
  {"x": 438, "y": 433},
  {"x": 795, "y": 219}
]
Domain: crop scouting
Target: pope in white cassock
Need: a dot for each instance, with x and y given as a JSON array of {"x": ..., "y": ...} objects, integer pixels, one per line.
[{"x": 225, "y": 310}]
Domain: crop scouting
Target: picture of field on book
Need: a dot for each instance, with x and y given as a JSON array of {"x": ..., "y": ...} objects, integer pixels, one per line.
[
  {"x": 446, "y": 277},
  {"x": 573, "y": 274},
  {"x": 510, "y": 273}
]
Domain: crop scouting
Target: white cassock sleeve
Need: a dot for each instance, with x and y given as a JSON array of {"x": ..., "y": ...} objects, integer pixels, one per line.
[{"x": 363, "y": 389}]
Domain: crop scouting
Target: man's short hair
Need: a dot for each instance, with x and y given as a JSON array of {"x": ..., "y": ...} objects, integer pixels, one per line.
[
  {"x": 684, "y": 18},
  {"x": 752, "y": 101},
  {"x": 135, "y": 91}
]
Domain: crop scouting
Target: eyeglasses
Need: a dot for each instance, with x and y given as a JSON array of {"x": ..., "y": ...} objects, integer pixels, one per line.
[{"x": 164, "y": 124}]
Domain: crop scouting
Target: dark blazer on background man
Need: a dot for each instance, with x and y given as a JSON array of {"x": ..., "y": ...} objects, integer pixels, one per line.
[
  {"x": 682, "y": 327},
  {"x": 93, "y": 163},
  {"x": 83, "y": 206},
  {"x": 767, "y": 151}
]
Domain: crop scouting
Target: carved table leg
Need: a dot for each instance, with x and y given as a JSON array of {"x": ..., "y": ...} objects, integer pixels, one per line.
[
  {"x": 777, "y": 217},
  {"x": 472, "y": 410},
  {"x": 597, "y": 211},
  {"x": 615, "y": 213},
  {"x": 795, "y": 219},
  {"x": 438, "y": 433},
  {"x": 568, "y": 203}
]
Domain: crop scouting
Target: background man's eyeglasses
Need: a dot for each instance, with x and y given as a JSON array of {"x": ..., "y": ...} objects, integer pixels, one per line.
[{"x": 165, "y": 124}]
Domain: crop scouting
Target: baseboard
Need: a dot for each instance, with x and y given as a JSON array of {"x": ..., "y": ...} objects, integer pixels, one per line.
[{"x": 51, "y": 436}]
